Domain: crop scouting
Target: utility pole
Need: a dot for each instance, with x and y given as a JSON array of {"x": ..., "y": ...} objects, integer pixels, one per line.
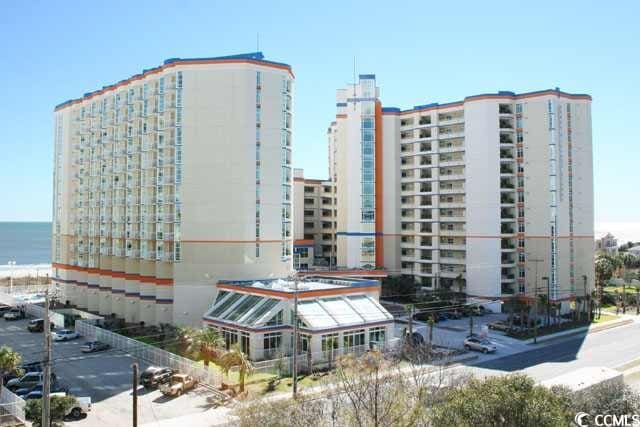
[
  {"x": 546, "y": 279},
  {"x": 46, "y": 381},
  {"x": 471, "y": 323},
  {"x": 624, "y": 297},
  {"x": 411, "y": 312},
  {"x": 637, "y": 300},
  {"x": 295, "y": 337},
  {"x": 135, "y": 394},
  {"x": 535, "y": 313},
  {"x": 587, "y": 299}
]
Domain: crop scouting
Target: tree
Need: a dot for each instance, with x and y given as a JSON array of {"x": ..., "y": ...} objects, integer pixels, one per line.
[
  {"x": 10, "y": 361},
  {"x": 208, "y": 344},
  {"x": 501, "y": 401},
  {"x": 402, "y": 287},
  {"x": 283, "y": 413},
  {"x": 59, "y": 407},
  {"x": 184, "y": 335},
  {"x": 235, "y": 358},
  {"x": 605, "y": 265}
]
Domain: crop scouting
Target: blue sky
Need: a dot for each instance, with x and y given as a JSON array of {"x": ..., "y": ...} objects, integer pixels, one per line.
[{"x": 420, "y": 51}]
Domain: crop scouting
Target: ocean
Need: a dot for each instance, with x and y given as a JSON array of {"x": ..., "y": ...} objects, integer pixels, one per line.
[{"x": 26, "y": 243}]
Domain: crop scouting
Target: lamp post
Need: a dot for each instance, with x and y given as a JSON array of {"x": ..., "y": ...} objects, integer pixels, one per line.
[{"x": 11, "y": 264}]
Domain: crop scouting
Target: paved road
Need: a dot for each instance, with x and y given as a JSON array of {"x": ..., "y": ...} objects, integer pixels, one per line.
[{"x": 611, "y": 348}]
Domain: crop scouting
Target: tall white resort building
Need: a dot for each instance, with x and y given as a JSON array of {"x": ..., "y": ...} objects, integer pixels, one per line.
[
  {"x": 171, "y": 180},
  {"x": 491, "y": 195}
]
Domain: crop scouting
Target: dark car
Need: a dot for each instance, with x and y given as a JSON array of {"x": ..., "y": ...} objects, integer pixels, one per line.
[
  {"x": 94, "y": 346},
  {"x": 454, "y": 314},
  {"x": 37, "y": 325},
  {"x": 154, "y": 376},
  {"x": 54, "y": 388},
  {"x": 4, "y": 308},
  {"x": 28, "y": 380}
]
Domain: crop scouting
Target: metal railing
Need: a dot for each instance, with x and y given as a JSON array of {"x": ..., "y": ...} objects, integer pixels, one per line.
[
  {"x": 283, "y": 365},
  {"x": 11, "y": 406},
  {"x": 150, "y": 354}
]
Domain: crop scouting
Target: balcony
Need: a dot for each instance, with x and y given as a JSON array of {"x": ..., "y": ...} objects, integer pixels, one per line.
[
  {"x": 506, "y": 154},
  {"x": 505, "y": 109},
  {"x": 506, "y": 170},
  {"x": 505, "y": 199},
  {"x": 506, "y": 139},
  {"x": 507, "y": 214},
  {"x": 506, "y": 184},
  {"x": 507, "y": 245},
  {"x": 451, "y": 118},
  {"x": 507, "y": 289},
  {"x": 506, "y": 124},
  {"x": 507, "y": 229}
]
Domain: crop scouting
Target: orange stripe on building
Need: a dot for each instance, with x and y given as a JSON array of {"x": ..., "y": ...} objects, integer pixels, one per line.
[
  {"x": 378, "y": 186},
  {"x": 231, "y": 241},
  {"x": 116, "y": 274},
  {"x": 304, "y": 294}
]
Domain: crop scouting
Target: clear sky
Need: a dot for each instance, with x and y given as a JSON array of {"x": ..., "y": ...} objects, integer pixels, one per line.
[{"x": 421, "y": 52}]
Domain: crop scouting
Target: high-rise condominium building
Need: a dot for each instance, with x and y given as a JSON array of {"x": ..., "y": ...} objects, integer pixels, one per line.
[
  {"x": 492, "y": 195},
  {"x": 171, "y": 180},
  {"x": 314, "y": 228}
]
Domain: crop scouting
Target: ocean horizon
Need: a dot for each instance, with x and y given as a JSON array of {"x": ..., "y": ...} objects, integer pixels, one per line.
[{"x": 26, "y": 243}]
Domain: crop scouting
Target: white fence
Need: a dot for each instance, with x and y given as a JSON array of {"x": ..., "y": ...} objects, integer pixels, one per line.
[
  {"x": 317, "y": 360},
  {"x": 150, "y": 354},
  {"x": 11, "y": 407},
  {"x": 33, "y": 310}
]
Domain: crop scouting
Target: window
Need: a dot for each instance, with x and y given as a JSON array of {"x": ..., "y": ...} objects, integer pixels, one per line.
[
  {"x": 329, "y": 342},
  {"x": 272, "y": 342},
  {"x": 245, "y": 343},
  {"x": 353, "y": 339},
  {"x": 276, "y": 320},
  {"x": 303, "y": 252},
  {"x": 377, "y": 335},
  {"x": 305, "y": 343},
  {"x": 230, "y": 337}
]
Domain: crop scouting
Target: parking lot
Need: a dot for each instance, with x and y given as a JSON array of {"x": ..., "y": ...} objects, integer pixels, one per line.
[
  {"x": 452, "y": 332},
  {"x": 106, "y": 377}
]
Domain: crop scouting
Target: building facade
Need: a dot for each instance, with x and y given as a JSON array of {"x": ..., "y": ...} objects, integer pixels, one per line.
[
  {"x": 170, "y": 180},
  {"x": 336, "y": 315},
  {"x": 608, "y": 244},
  {"x": 492, "y": 195},
  {"x": 314, "y": 222}
]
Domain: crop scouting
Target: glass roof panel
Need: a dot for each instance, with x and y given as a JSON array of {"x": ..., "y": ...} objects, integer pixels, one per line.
[
  {"x": 223, "y": 305},
  {"x": 241, "y": 309},
  {"x": 368, "y": 308},
  {"x": 257, "y": 315},
  {"x": 314, "y": 315},
  {"x": 341, "y": 311}
]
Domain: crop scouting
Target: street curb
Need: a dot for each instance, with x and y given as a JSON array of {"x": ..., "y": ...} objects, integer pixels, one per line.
[{"x": 587, "y": 329}]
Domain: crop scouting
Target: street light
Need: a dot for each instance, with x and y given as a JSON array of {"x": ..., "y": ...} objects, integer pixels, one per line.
[{"x": 11, "y": 264}]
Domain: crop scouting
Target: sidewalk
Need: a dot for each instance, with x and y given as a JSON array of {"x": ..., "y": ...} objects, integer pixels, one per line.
[{"x": 583, "y": 330}]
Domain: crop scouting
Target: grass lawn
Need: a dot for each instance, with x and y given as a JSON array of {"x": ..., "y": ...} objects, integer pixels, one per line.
[
  {"x": 285, "y": 384},
  {"x": 605, "y": 317}
]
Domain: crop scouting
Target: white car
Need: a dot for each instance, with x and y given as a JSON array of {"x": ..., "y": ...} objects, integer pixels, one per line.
[
  {"x": 479, "y": 344},
  {"x": 65, "y": 335}
]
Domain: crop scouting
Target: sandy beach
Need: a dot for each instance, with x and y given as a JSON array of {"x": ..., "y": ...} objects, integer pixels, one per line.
[{"x": 27, "y": 270}]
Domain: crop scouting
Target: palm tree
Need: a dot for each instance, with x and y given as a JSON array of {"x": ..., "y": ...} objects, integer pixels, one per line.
[
  {"x": 605, "y": 266},
  {"x": 10, "y": 361},
  {"x": 184, "y": 335},
  {"x": 209, "y": 344},
  {"x": 233, "y": 358}
]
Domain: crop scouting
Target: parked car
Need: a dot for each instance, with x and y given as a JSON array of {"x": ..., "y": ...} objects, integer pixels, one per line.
[
  {"x": 14, "y": 314},
  {"x": 30, "y": 379},
  {"x": 179, "y": 384},
  {"x": 55, "y": 387},
  {"x": 454, "y": 314},
  {"x": 499, "y": 325},
  {"x": 82, "y": 407},
  {"x": 479, "y": 344},
  {"x": 65, "y": 335},
  {"x": 37, "y": 325},
  {"x": 153, "y": 376},
  {"x": 4, "y": 308},
  {"x": 94, "y": 346}
]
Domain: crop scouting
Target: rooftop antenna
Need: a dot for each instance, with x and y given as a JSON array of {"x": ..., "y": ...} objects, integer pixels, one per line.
[{"x": 257, "y": 42}]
